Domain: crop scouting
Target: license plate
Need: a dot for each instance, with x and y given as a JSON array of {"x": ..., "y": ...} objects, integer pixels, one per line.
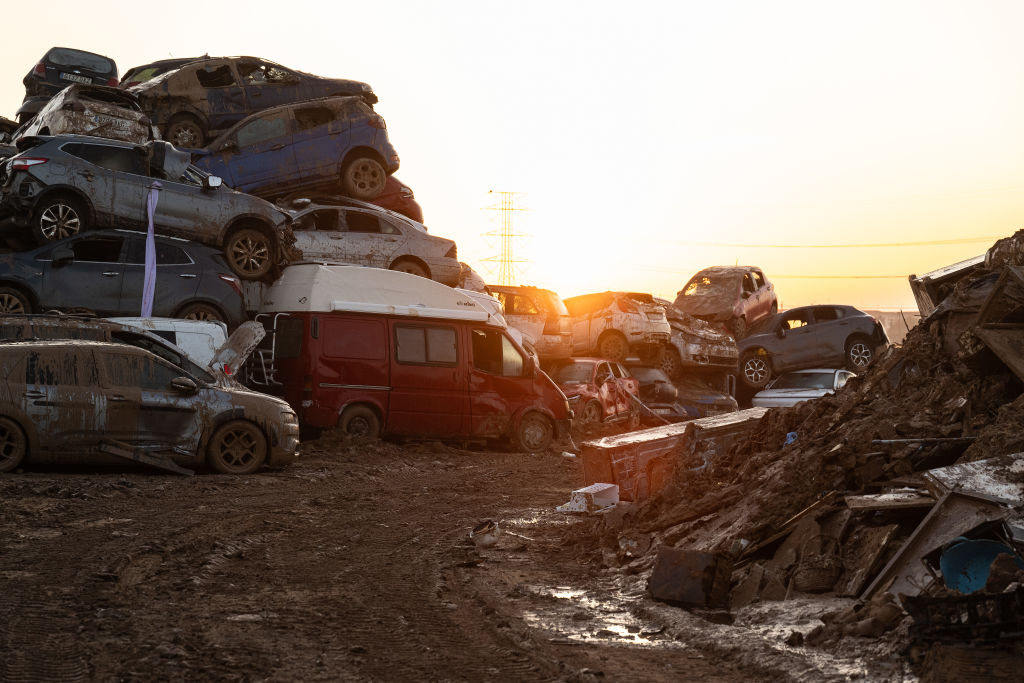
[{"x": 75, "y": 78}]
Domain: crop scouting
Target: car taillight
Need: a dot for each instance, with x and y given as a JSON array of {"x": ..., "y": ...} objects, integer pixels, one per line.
[
  {"x": 377, "y": 122},
  {"x": 235, "y": 283},
  {"x": 627, "y": 305},
  {"x": 112, "y": 81},
  {"x": 39, "y": 69},
  {"x": 25, "y": 163}
]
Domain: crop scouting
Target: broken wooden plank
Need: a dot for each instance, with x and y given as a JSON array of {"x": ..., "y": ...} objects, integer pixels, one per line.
[
  {"x": 1007, "y": 344},
  {"x": 862, "y": 552},
  {"x": 893, "y": 500},
  {"x": 129, "y": 452}
]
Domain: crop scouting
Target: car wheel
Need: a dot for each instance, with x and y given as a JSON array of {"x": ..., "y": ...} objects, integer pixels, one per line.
[
  {"x": 363, "y": 178},
  {"x": 410, "y": 266},
  {"x": 534, "y": 433},
  {"x": 56, "y": 218},
  {"x": 756, "y": 369},
  {"x": 13, "y": 302},
  {"x": 739, "y": 328},
  {"x": 859, "y": 353},
  {"x": 359, "y": 423},
  {"x": 250, "y": 253},
  {"x": 613, "y": 345},
  {"x": 237, "y": 447},
  {"x": 592, "y": 413},
  {"x": 672, "y": 363},
  {"x": 199, "y": 311},
  {"x": 185, "y": 131},
  {"x": 13, "y": 444}
]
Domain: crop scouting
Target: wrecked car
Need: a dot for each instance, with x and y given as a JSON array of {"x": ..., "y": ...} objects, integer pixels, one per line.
[
  {"x": 141, "y": 74},
  {"x": 192, "y": 103},
  {"x": 657, "y": 393},
  {"x": 92, "y": 110},
  {"x": 60, "y": 186},
  {"x": 735, "y": 297},
  {"x": 598, "y": 390},
  {"x": 364, "y": 234},
  {"x": 695, "y": 344},
  {"x": 617, "y": 324},
  {"x": 61, "y": 400},
  {"x": 103, "y": 272},
  {"x": 59, "y": 68},
  {"x": 399, "y": 197},
  {"x": 801, "y": 385},
  {"x": 541, "y": 315},
  {"x": 810, "y": 337},
  {"x": 304, "y": 147}
]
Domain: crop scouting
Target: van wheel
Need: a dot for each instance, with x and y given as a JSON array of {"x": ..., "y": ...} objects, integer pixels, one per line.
[
  {"x": 363, "y": 178},
  {"x": 200, "y": 312},
  {"x": 13, "y": 302},
  {"x": 359, "y": 423},
  {"x": 56, "y": 218},
  {"x": 237, "y": 447},
  {"x": 13, "y": 444},
  {"x": 250, "y": 253},
  {"x": 534, "y": 433},
  {"x": 613, "y": 345}
]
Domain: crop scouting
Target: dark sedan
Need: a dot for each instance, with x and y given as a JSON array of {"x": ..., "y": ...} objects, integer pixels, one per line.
[
  {"x": 59, "y": 68},
  {"x": 810, "y": 337},
  {"x": 103, "y": 272}
]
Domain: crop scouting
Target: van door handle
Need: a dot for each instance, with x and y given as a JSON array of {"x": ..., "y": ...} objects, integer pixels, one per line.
[
  {"x": 190, "y": 275},
  {"x": 110, "y": 273}
]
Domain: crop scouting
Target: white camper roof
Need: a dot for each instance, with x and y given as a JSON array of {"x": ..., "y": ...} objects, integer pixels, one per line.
[{"x": 317, "y": 287}]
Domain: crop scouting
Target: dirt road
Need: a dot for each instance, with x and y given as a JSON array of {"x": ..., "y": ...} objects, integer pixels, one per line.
[{"x": 352, "y": 564}]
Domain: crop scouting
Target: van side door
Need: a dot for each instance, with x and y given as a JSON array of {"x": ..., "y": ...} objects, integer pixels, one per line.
[
  {"x": 429, "y": 385},
  {"x": 498, "y": 385}
]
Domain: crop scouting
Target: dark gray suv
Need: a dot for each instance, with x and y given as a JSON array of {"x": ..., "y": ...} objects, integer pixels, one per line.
[
  {"x": 103, "y": 272},
  {"x": 60, "y": 186}
]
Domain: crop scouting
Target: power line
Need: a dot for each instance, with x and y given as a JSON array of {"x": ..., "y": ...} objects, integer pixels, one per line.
[
  {"x": 793, "y": 277},
  {"x": 865, "y": 245}
]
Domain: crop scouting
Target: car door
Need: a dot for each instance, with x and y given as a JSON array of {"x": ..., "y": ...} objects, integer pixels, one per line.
[
  {"x": 263, "y": 158},
  {"x": 429, "y": 386},
  {"x": 142, "y": 407},
  {"x": 92, "y": 280},
  {"x": 797, "y": 342},
  {"x": 177, "y": 277},
  {"x": 608, "y": 390},
  {"x": 62, "y": 399},
  {"x": 114, "y": 177},
  {"x": 320, "y": 141},
  {"x": 831, "y": 331},
  {"x": 498, "y": 386},
  {"x": 350, "y": 236},
  {"x": 225, "y": 99}
]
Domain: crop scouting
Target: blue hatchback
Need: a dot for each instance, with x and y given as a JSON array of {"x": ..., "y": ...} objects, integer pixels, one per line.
[{"x": 305, "y": 147}]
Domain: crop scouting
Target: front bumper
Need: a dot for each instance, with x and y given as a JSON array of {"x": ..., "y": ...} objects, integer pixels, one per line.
[{"x": 284, "y": 443}]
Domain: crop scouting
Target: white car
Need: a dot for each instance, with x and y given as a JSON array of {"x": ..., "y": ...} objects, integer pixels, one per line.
[
  {"x": 801, "y": 385},
  {"x": 367, "y": 235}
]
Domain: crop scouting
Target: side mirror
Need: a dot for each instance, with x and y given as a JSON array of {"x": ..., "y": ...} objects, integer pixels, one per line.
[
  {"x": 62, "y": 256},
  {"x": 184, "y": 385},
  {"x": 212, "y": 182},
  {"x": 781, "y": 333}
]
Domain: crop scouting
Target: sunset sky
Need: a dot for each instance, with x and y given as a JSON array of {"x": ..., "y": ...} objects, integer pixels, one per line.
[{"x": 650, "y": 139}]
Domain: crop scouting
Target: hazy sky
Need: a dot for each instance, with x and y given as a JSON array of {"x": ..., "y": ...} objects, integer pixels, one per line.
[{"x": 650, "y": 139}]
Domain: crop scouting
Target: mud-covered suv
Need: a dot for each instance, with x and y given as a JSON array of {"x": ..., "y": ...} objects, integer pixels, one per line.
[{"x": 59, "y": 186}]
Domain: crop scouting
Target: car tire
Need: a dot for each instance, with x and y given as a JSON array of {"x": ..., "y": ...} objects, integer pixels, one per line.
[
  {"x": 363, "y": 178},
  {"x": 13, "y": 444},
  {"x": 57, "y": 217},
  {"x": 613, "y": 345},
  {"x": 859, "y": 353},
  {"x": 237, "y": 447},
  {"x": 534, "y": 433},
  {"x": 672, "y": 363},
  {"x": 200, "y": 311},
  {"x": 738, "y": 326},
  {"x": 359, "y": 423},
  {"x": 755, "y": 369},
  {"x": 250, "y": 253},
  {"x": 185, "y": 131},
  {"x": 405, "y": 265},
  {"x": 591, "y": 413},
  {"x": 13, "y": 302}
]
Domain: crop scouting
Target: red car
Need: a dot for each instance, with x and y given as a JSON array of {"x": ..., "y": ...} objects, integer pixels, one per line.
[
  {"x": 599, "y": 390},
  {"x": 398, "y": 197},
  {"x": 734, "y": 297}
]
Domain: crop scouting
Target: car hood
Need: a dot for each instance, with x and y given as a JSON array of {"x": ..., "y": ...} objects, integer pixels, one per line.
[
  {"x": 786, "y": 397},
  {"x": 714, "y": 307},
  {"x": 686, "y": 323},
  {"x": 237, "y": 349}
]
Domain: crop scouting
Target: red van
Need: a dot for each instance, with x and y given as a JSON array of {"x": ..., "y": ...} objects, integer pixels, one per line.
[{"x": 376, "y": 351}]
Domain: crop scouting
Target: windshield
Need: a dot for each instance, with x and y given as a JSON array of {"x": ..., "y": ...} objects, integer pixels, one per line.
[
  {"x": 805, "y": 380},
  {"x": 647, "y": 374},
  {"x": 708, "y": 285},
  {"x": 575, "y": 373}
]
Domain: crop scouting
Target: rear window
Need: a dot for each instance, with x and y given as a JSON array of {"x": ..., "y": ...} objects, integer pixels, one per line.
[
  {"x": 62, "y": 56},
  {"x": 124, "y": 159},
  {"x": 354, "y": 339},
  {"x": 215, "y": 76}
]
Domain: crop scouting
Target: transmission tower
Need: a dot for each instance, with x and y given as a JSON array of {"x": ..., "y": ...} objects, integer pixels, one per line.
[{"x": 506, "y": 260}]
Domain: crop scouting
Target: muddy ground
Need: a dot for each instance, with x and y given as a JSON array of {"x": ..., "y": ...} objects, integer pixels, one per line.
[{"x": 355, "y": 564}]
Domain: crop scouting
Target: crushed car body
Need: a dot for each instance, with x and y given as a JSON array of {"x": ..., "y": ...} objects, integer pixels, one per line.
[
  {"x": 599, "y": 390},
  {"x": 92, "y": 110},
  {"x": 540, "y": 314},
  {"x": 616, "y": 324},
  {"x": 735, "y": 297},
  {"x": 695, "y": 344}
]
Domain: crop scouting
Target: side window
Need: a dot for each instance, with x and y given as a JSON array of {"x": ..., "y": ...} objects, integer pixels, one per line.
[
  {"x": 823, "y": 314},
  {"x": 619, "y": 371},
  {"x": 362, "y": 222},
  {"x": 748, "y": 283},
  {"x": 326, "y": 219},
  {"x": 263, "y": 129},
  {"x": 144, "y": 372},
  {"x": 166, "y": 254},
  {"x": 523, "y": 305},
  {"x": 61, "y": 368},
  {"x": 495, "y": 354},
  {"x": 98, "y": 249},
  {"x": 215, "y": 76},
  {"x": 505, "y": 300},
  {"x": 124, "y": 159},
  {"x": 429, "y": 345},
  {"x": 795, "y": 320},
  {"x": 312, "y": 117},
  {"x": 758, "y": 279}
]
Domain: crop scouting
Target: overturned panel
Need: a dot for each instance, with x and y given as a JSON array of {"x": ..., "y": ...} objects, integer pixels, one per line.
[{"x": 1007, "y": 344}]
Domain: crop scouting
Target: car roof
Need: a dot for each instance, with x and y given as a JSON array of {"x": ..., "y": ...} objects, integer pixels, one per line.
[{"x": 726, "y": 270}]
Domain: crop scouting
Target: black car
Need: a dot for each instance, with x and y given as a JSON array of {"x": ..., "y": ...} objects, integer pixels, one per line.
[
  {"x": 809, "y": 337},
  {"x": 59, "y": 68},
  {"x": 102, "y": 272},
  {"x": 60, "y": 186}
]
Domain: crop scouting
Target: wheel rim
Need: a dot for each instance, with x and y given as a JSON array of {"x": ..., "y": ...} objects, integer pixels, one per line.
[
  {"x": 238, "y": 448},
  {"x": 250, "y": 255},
  {"x": 58, "y": 221},
  {"x": 755, "y": 370},
  {"x": 186, "y": 135},
  {"x": 12, "y": 444},
  {"x": 591, "y": 413},
  {"x": 534, "y": 433},
  {"x": 614, "y": 348},
  {"x": 860, "y": 355},
  {"x": 366, "y": 177},
  {"x": 669, "y": 364},
  {"x": 358, "y": 427},
  {"x": 202, "y": 313},
  {"x": 10, "y": 304}
]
